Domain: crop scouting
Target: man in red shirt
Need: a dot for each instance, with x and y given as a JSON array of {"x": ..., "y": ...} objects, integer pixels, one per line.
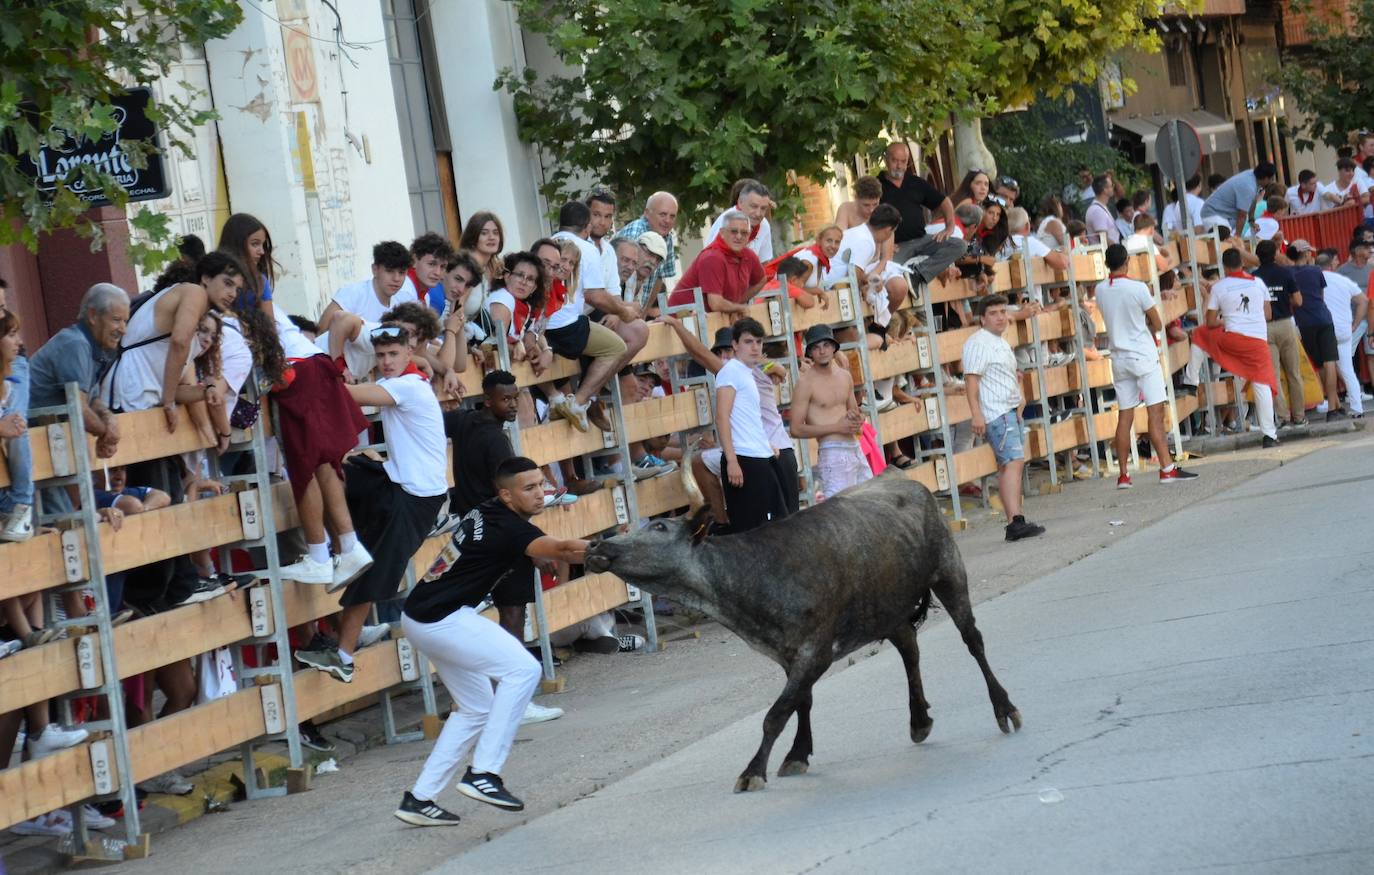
[{"x": 728, "y": 272}]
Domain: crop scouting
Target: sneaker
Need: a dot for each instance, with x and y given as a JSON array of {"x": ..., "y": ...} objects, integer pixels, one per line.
[
  {"x": 1331, "y": 416},
  {"x": 886, "y": 404},
  {"x": 487, "y": 787},
  {"x": 568, "y": 408},
  {"x": 1298, "y": 423},
  {"x": 308, "y": 571},
  {"x": 312, "y": 738},
  {"x": 1176, "y": 474},
  {"x": 203, "y": 590},
  {"x": 347, "y": 566},
  {"x": 1186, "y": 389},
  {"x": 171, "y": 783},
  {"x": 321, "y": 641},
  {"x": 1269, "y": 442},
  {"x": 652, "y": 466},
  {"x": 418, "y": 812},
  {"x": 10, "y": 647},
  {"x": 327, "y": 661},
  {"x": 39, "y": 637},
  {"x": 604, "y": 645},
  {"x": 91, "y": 816},
  {"x": 445, "y": 525},
  {"x": 54, "y": 823},
  {"x": 19, "y": 526},
  {"x": 1019, "y": 529},
  {"x": 631, "y": 643},
  {"x": 539, "y": 714},
  {"x": 54, "y": 738},
  {"x": 370, "y": 635},
  {"x": 1124, "y": 482}
]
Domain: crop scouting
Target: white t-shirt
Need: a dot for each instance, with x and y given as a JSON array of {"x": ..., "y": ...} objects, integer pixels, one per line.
[
  {"x": 863, "y": 254},
  {"x": 1170, "y": 220},
  {"x": 136, "y": 377},
  {"x": 1015, "y": 244},
  {"x": 1295, "y": 205},
  {"x": 1136, "y": 243},
  {"x": 1267, "y": 228},
  {"x": 746, "y": 419},
  {"x": 1339, "y": 292},
  {"x": 293, "y": 343},
  {"x": 360, "y": 299},
  {"x": 414, "y": 428},
  {"x": 235, "y": 360},
  {"x": 610, "y": 265},
  {"x": 762, "y": 244},
  {"x": 507, "y": 300},
  {"x": 357, "y": 352},
  {"x": 1123, "y": 303},
  {"x": 989, "y": 357},
  {"x": 1357, "y": 188},
  {"x": 1240, "y": 301},
  {"x": 589, "y": 273},
  {"x": 814, "y": 280},
  {"x": 1124, "y": 228},
  {"x": 1099, "y": 221}
]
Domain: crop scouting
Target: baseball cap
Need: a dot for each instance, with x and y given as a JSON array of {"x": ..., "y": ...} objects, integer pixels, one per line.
[
  {"x": 654, "y": 242},
  {"x": 1301, "y": 245}
]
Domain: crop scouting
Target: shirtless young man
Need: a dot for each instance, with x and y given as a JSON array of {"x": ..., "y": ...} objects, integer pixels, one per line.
[
  {"x": 824, "y": 408},
  {"x": 868, "y": 191}
]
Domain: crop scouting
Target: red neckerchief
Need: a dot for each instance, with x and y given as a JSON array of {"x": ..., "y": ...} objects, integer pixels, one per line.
[
  {"x": 420, "y": 288},
  {"x": 822, "y": 259},
  {"x": 1305, "y": 199},
  {"x": 1117, "y": 276},
  {"x": 1268, "y": 215},
  {"x": 520, "y": 317},
  {"x": 720, "y": 245},
  {"x": 1239, "y": 275},
  {"x": 754, "y": 230},
  {"x": 983, "y": 233},
  {"x": 558, "y": 293},
  {"x": 963, "y": 230}
]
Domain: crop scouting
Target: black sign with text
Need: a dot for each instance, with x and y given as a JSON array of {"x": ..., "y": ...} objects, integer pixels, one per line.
[{"x": 55, "y": 163}]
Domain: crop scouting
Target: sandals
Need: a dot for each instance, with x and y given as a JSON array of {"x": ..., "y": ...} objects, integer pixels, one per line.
[{"x": 902, "y": 461}]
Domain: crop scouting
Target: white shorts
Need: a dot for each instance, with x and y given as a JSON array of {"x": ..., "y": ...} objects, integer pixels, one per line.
[
  {"x": 1132, "y": 390},
  {"x": 711, "y": 459},
  {"x": 842, "y": 465}
]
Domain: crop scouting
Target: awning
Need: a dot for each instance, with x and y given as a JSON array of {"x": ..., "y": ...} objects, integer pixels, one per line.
[{"x": 1216, "y": 133}]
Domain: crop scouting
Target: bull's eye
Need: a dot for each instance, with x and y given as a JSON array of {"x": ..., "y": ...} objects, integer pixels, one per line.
[{"x": 658, "y": 527}]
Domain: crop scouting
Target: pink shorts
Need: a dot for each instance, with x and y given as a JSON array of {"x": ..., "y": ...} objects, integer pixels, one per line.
[{"x": 842, "y": 465}]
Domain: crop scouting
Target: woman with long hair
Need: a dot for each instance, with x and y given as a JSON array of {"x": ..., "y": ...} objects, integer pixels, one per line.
[
  {"x": 1051, "y": 230},
  {"x": 974, "y": 189},
  {"x": 484, "y": 239},
  {"x": 517, "y": 302},
  {"x": 991, "y": 233},
  {"x": 248, "y": 240}
]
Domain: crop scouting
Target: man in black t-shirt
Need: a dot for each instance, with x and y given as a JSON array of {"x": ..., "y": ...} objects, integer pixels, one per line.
[
  {"x": 1284, "y": 347},
  {"x": 479, "y": 442},
  {"x": 495, "y": 541},
  {"x": 912, "y": 196}
]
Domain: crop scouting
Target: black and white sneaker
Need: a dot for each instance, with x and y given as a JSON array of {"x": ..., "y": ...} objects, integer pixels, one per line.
[
  {"x": 418, "y": 812},
  {"x": 312, "y": 738},
  {"x": 486, "y": 787}
]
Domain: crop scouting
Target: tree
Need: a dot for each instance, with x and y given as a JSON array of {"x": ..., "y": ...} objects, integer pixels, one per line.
[
  {"x": 1035, "y": 50},
  {"x": 689, "y": 95},
  {"x": 1330, "y": 80},
  {"x": 62, "y": 62}
]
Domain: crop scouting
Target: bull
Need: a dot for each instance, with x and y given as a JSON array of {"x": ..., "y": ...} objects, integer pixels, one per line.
[{"x": 810, "y": 589}]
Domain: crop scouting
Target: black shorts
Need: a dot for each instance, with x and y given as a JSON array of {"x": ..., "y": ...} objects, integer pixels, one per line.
[
  {"x": 1320, "y": 342},
  {"x": 759, "y": 500},
  {"x": 785, "y": 465},
  {"x": 570, "y": 340},
  {"x": 391, "y": 523}
]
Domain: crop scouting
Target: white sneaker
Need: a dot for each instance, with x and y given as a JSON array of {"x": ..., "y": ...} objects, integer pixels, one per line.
[
  {"x": 370, "y": 635},
  {"x": 94, "y": 819},
  {"x": 8, "y": 647},
  {"x": 171, "y": 783},
  {"x": 55, "y": 738},
  {"x": 19, "y": 526},
  {"x": 348, "y": 566},
  {"x": 539, "y": 714},
  {"x": 568, "y": 408},
  {"x": 54, "y": 823},
  {"x": 308, "y": 571}
]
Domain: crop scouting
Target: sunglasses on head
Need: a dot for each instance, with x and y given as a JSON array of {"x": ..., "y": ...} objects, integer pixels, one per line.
[{"x": 386, "y": 331}]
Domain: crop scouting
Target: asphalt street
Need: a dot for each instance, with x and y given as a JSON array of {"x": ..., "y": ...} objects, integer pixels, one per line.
[{"x": 1197, "y": 696}]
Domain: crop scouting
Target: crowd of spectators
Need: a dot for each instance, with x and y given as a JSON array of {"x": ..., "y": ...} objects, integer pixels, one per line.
[{"x": 398, "y": 340}]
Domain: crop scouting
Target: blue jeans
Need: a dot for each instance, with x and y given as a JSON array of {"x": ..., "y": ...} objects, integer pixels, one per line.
[
  {"x": 18, "y": 457},
  {"x": 1004, "y": 436}
]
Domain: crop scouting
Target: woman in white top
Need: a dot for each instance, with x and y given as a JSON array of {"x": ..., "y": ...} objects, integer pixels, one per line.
[
  {"x": 817, "y": 256},
  {"x": 1051, "y": 230},
  {"x": 516, "y": 303}
]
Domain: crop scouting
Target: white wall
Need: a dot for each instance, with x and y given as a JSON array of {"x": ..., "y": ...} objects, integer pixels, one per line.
[
  {"x": 298, "y": 164},
  {"x": 493, "y": 170}
]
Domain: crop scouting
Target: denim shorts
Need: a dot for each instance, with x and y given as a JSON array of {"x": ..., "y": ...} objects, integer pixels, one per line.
[{"x": 1004, "y": 436}]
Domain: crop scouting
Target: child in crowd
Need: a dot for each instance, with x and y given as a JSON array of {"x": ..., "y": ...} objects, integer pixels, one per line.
[{"x": 16, "y": 499}]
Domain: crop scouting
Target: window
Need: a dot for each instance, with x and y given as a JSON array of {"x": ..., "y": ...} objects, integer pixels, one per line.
[{"x": 1176, "y": 56}]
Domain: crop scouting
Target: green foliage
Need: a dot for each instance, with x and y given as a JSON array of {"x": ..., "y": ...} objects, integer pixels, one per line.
[
  {"x": 1027, "y": 147},
  {"x": 1333, "y": 79},
  {"x": 61, "y": 62},
  {"x": 689, "y": 95}
]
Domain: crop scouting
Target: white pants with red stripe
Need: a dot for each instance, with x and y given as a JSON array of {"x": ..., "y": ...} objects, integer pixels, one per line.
[{"x": 469, "y": 652}]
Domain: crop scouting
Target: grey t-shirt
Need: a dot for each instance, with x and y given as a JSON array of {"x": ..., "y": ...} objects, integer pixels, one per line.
[
  {"x": 1360, "y": 275},
  {"x": 1235, "y": 195},
  {"x": 70, "y": 355}
]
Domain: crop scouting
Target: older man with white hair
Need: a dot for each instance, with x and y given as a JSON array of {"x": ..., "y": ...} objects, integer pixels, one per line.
[
  {"x": 645, "y": 255},
  {"x": 728, "y": 272},
  {"x": 660, "y": 216},
  {"x": 752, "y": 199}
]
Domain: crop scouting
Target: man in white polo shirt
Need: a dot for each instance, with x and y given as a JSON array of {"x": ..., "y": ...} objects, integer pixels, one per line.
[
  {"x": 1132, "y": 320},
  {"x": 752, "y": 199},
  {"x": 994, "y": 396}
]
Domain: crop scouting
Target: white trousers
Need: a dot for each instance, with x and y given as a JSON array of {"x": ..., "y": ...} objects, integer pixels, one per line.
[
  {"x": 469, "y": 652},
  {"x": 1346, "y": 368},
  {"x": 1264, "y": 406}
]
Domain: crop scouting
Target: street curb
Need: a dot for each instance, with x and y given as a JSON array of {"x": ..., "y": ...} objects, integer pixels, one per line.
[{"x": 1246, "y": 440}]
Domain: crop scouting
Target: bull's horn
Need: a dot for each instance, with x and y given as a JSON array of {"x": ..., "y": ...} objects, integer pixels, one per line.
[{"x": 695, "y": 498}]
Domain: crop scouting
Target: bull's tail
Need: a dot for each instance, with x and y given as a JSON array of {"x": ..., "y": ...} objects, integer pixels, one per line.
[{"x": 922, "y": 609}]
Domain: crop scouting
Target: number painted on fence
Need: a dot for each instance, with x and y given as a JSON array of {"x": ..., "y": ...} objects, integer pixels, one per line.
[
  {"x": 260, "y": 610},
  {"x": 923, "y": 357},
  {"x": 273, "y": 713},
  {"x": 941, "y": 473},
  {"x": 703, "y": 406},
  {"x": 102, "y": 770},
  {"x": 72, "y": 563},
  {"x": 622, "y": 509},
  {"x": 932, "y": 413},
  {"x": 88, "y": 662},
  {"x": 774, "y": 318},
  {"x": 250, "y": 515},
  {"x": 62, "y": 463},
  {"x": 405, "y": 657}
]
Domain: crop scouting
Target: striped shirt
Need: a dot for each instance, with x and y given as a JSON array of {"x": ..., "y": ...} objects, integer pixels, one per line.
[
  {"x": 668, "y": 268},
  {"x": 989, "y": 357}
]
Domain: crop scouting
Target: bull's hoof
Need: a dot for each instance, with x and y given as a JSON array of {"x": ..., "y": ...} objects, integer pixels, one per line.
[
  {"x": 921, "y": 733},
  {"x": 792, "y": 767},
  {"x": 1009, "y": 722},
  {"x": 749, "y": 783}
]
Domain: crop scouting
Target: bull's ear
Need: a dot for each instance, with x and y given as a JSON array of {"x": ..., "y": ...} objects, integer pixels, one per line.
[{"x": 700, "y": 523}]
